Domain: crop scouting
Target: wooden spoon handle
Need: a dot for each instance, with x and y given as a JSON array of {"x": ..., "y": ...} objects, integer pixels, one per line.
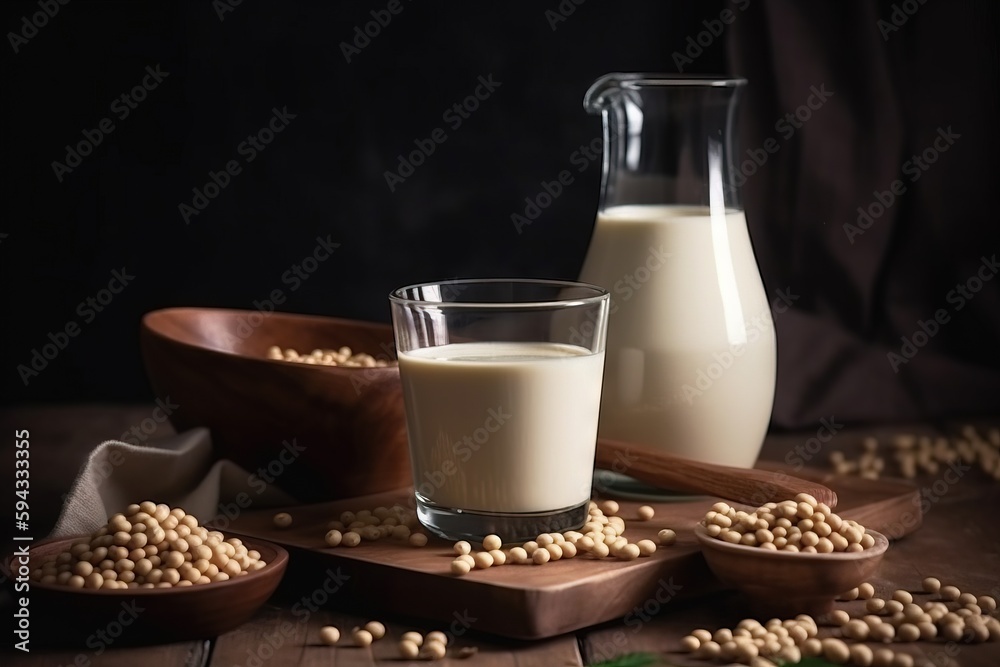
[{"x": 748, "y": 486}]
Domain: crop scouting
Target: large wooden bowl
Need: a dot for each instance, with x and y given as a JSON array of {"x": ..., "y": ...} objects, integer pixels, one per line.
[
  {"x": 317, "y": 432},
  {"x": 63, "y": 616}
]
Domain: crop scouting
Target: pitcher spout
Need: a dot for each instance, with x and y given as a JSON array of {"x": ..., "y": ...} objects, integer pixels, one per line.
[{"x": 601, "y": 93}]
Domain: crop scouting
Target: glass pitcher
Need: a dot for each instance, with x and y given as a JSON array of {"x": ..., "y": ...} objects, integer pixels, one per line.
[{"x": 691, "y": 352}]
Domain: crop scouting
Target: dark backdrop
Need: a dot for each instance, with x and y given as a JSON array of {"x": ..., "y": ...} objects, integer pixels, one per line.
[{"x": 224, "y": 71}]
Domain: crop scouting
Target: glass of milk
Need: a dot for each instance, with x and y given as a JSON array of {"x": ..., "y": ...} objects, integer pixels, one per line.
[
  {"x": 691, "y": 351},
  {"x": 502, "y": 388}
]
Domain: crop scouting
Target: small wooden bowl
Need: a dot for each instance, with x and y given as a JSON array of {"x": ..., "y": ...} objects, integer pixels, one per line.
[
  {"x": 62, "y": 616},
  {"x": 346, "y": 424},
  {"x": 787, "y": 583}
]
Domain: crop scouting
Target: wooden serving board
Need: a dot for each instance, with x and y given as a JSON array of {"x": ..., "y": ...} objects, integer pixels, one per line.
[{"x": 529, "y": 601}]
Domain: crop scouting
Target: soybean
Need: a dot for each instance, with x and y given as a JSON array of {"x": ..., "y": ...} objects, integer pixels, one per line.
[
  {"x": 436, "y": 636},
  {"x": 414, "y": 637},
  {"x": 362, "y": 638},
  {"x": 491, "y": 542},
  {"x": 329, "y": 635},
  {"x": 408, "y": 649},
  {"x": 666, "y": 537},
  {"x": 646, "y": 547},
  {"x": 435, "y": 650},
  {"x": 483, "y": 560},
  {"x": 836, "y": 651},
  {"x": 376, "y": 629}
]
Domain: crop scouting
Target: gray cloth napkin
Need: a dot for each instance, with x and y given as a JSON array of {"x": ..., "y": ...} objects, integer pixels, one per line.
[{"x": 178, "y": 471}]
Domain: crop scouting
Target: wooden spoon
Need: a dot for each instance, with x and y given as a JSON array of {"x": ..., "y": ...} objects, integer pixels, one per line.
[{"x": 745, "y": 485}]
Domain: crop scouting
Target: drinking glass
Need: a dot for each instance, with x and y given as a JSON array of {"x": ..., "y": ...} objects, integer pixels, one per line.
[{"x": 502, "y": 389}]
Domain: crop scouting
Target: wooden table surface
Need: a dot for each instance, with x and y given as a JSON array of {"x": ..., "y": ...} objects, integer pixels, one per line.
[{"x": 959, "y": 543}]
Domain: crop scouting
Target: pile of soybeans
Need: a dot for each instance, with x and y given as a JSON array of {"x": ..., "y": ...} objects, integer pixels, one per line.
[
  {"x": 946, "y": 614},
  {"x": 149, "y": 546}
]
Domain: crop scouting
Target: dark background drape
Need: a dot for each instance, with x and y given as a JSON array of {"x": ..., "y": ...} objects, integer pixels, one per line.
[{"x": 894, "y": 78}]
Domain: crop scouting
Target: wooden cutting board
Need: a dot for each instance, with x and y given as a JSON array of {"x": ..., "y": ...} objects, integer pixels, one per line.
[{"x": 531, "y": 601}]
